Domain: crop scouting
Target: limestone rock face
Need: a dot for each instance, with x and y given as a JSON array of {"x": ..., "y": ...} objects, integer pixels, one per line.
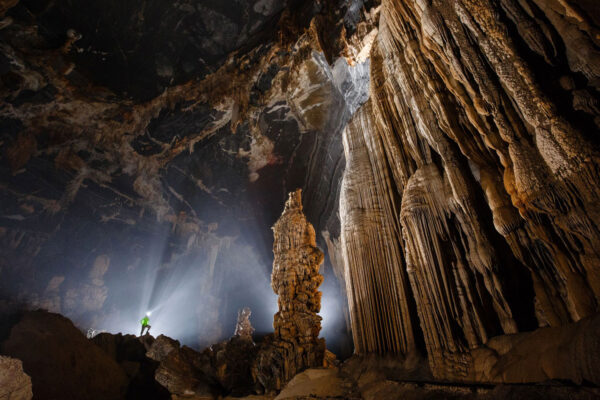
[
  {"x": 181, "y": 373},
  {"x": 224, "y": 368},
  {"x": 567, "y": 353},
  {"x": 230, "y": 362},
  {"x": 469, "y": 196},
  {"x": 189, "y": 132},
  {"x": 14, "y": 383},
  {"x": 377, "y": 378},
  {"x": 161, "y": 347},
  {"x": 295, "y": 345},
  {"x": 457, "y": 139}
]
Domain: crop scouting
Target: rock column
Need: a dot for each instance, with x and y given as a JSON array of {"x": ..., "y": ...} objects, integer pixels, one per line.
[{"x": 295, "y": 345}]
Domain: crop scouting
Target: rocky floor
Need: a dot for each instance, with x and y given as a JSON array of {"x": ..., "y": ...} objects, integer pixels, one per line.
[
  {"x": 59, "y": 362},
  {"x": 329, "y": 384},
  {"x": 334, "y": 384}
]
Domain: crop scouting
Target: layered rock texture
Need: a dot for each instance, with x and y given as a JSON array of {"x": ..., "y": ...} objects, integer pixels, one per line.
[
  {"x": 447, "y": 153},
  {"x": 295, "y": 345},
  {"x": 151, "y": 144},
  {"x": 469, "y": 204}
]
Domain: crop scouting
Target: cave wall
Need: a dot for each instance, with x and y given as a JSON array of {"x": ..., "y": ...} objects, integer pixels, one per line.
[
  {"x": 447, "y": 153},
  {"x": 476, "y": 160},
  {"x": 140, "y": 165}
]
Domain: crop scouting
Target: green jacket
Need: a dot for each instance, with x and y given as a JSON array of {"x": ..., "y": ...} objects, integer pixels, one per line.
[{"x": 145, "y": 321}]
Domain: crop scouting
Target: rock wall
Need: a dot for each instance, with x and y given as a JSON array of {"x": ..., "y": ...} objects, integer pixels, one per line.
[
  {"x": 475, "y": 162},
  {"x": 376, "y": 282},
  {"x": 465, "y": 132},
  {"x": 169, "y": 155}
]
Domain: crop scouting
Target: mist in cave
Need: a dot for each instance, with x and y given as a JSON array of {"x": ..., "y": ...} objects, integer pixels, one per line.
[{"x": 353, "y": 199}]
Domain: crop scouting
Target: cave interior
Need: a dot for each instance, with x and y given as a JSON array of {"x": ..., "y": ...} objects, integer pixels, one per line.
[{"x": 357, "y": 199}]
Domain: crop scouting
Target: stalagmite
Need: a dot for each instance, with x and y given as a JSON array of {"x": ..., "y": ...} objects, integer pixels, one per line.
[
  {"x": 295, "y": 345},
  {"x": 243, "y": 327}
]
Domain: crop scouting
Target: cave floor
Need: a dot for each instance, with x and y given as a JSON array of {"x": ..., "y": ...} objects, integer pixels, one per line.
[{"x": 336, "y": 383}]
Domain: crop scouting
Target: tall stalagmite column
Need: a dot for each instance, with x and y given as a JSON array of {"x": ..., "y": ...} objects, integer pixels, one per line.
[
  {"x": 295, "y": 345},
  {"x": 295, "y": 276}
]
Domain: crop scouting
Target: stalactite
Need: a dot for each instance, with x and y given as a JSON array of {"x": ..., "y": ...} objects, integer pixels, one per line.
[
  {"x": 483, "y": 166},
  {"x": 377, "y": 285}
]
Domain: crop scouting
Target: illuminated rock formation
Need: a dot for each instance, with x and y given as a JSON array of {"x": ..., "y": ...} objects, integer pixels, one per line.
[
  {"x": 295, "y": 345},
  {"x": 447, "y": 153},
  {"x": 376, "y": 282},
  {"x": 243, "y": 327},
  {"x": 295, "y": 278},
  {"x": 191, "y": 149},
  {"x": 470, "y": 174}
]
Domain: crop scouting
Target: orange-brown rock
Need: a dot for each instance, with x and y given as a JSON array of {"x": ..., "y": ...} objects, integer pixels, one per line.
[
  {"x": 295, "y": 345},
  {"x": 15, "y": 384},
  {"x": 470, "y": 194}
]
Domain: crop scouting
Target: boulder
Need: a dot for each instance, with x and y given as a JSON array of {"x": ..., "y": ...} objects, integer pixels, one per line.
[
  {"x": 15, "y": 384},
  {"x": 162, "y": 347},
  {"x": 321, "y": 383},
  {"x": 230, "y": 364},
  {"x": 131, "y": 354},
  {"x": 181, "y": 372},
  {"x": 569, "y": 353},
  {"x": 62, "y": 363}
]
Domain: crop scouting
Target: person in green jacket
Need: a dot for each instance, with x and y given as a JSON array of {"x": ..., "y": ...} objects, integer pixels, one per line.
[{"x": 145, "y": 325}]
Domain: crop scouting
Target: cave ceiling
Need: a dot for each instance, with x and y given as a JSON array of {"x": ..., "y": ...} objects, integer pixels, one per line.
[
  {"x": 150, "y": 133},
  {"x": 138, "y": 48},
  {"x": 446, "y": 151},
  {"x": 447, "y": 154}
]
